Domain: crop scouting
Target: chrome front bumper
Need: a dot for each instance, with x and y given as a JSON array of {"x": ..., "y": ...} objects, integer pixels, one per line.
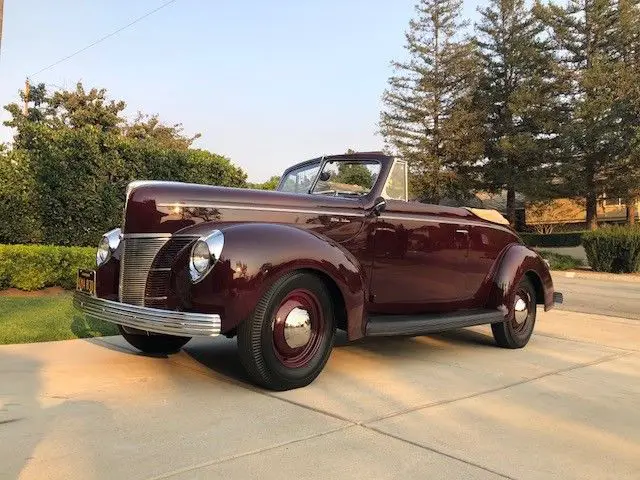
[{"x": 183, "y": 324}]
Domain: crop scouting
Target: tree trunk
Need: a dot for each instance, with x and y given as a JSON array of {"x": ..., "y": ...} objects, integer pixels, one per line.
[
  {"x": 632, "y": 209},
  {"x": 511, "y": 205},
  {"x": 592, "y": 211}
]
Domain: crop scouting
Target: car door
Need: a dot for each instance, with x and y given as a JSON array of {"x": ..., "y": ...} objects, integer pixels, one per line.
[{"x": 420, "y": 255}]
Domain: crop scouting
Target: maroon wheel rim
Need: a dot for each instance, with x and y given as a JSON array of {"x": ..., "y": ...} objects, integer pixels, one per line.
[{"x": 298, "y": 326}]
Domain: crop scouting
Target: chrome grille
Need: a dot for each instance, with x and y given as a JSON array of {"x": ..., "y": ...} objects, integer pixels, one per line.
[
  {"x": 159, "y": 278},
  {"x": 137, "y": 257}
]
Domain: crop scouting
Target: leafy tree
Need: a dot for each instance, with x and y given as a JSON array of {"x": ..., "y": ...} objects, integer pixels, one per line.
[
  {"x": 36, "y": 113},
  {"x": 18, "y": 200},
  {"x": 149, "y": 127},
  {"x": 428, "y": 117},
  {"x": 73, "y": 156},
  {"x": 77, "y": 108},
  {"x": 354, "y": 174},
  {"x": 522, "y": 97},
  {"x": 270, "y": 184},
  {"x": 583, "y": 34}
]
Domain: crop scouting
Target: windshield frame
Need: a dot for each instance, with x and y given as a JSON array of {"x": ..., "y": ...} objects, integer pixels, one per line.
[{"x": 321, "y": 162}]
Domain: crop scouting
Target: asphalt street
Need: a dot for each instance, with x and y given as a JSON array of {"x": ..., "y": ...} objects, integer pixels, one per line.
[{"x": 615, "y": 298}]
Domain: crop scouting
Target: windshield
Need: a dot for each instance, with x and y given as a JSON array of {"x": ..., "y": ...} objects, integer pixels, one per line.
[{"x": 338, "y": 177}]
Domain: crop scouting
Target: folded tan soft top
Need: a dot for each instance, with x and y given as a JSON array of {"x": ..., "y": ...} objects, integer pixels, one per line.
[{"x": 490, "y": 215}]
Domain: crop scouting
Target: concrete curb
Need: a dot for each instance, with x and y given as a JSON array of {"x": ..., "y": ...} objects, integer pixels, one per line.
[{"x": 614, "y": 277}]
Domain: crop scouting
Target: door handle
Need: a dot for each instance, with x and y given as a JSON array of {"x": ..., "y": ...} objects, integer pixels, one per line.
[{"x": 466, "y": 232}]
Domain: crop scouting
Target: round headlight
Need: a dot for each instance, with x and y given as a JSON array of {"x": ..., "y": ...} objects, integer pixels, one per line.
[
  {"x": 103, "y": 251},
  {"x": 200, "y": 257},
  {"x": 108, "y": 244},
  {"x": 204, "y": 255}
]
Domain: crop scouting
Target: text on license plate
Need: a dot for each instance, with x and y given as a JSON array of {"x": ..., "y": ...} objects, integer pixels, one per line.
[{"x": 86, "y": 281}]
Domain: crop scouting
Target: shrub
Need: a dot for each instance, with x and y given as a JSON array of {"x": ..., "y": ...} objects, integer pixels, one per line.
[
  {"x": 18, "y": 200},
  {"x": 550, "y": 240},
  {"x": 560, "y": 262},
  {"x": 32, "y": 267},
  {"x": 613, "y": 249},
  {"x": 68, "y": 187}
]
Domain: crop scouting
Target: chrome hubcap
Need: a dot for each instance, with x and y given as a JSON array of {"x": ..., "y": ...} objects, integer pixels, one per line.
[
  {"x": 521, "y": 310},
  {"x": 297, "y": 328}
]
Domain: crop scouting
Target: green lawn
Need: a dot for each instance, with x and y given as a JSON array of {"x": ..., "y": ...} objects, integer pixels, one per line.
[
  {"x": 558, "y": 261},
  {"x": 41, "y": 319}
]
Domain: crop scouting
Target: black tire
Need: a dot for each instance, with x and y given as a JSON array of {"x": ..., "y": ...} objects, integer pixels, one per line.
[
  {"x": 156, "y": 344},
  {"x": 260, "y": 343},
  {"x": 517, "y": 330}
]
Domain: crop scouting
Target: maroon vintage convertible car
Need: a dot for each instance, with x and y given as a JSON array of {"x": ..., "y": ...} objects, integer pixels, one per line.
[{"x": 337, "y": 246}]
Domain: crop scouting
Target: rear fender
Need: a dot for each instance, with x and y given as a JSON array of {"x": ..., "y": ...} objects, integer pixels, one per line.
[
  {"x": 516, "y": 262},
  {"x": 255, "y": 255}
]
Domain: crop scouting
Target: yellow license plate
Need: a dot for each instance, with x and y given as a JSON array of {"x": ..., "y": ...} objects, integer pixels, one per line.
[{"x": 86, "y": 281}]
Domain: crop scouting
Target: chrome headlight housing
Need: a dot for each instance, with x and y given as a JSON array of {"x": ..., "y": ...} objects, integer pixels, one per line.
[
  {"x": 204, "y": 255},
  {"x": 108, "y": 244}
]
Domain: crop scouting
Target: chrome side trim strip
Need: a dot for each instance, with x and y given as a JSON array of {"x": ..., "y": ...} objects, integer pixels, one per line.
[
  {"x": 183, "y": 324},
  {"x": 462, "y": 221},
  {"x": 337, "y": 213}
]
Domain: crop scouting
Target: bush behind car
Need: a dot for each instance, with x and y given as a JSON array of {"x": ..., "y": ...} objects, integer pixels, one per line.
[
  {"x": 613, "y": 249},
  {"x": 33, "y": 267}
]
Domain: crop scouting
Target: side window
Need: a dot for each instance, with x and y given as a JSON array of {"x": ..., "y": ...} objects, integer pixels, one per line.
[{"x": 396, "y": 186}]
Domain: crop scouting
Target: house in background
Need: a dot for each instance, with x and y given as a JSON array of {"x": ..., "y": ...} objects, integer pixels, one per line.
[{"x": 568, "y": 214}]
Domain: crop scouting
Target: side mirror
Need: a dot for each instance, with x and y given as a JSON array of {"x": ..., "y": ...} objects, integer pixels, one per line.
[
  {"x": 324, "y": 176},
  {"x": 378, "y": 207}
]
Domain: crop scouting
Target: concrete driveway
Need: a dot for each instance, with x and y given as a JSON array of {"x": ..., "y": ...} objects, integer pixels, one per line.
[{"x": 443, "y": 406}]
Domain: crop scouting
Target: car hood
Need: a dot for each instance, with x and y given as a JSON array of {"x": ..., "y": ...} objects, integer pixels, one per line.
[{"x": 167, "y": 207}]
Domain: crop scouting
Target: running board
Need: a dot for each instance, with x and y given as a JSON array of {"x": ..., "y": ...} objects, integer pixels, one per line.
[{"x": 389, "y": 325}]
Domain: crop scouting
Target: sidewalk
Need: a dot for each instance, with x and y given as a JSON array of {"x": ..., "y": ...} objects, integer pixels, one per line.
[{"x": 602, "y": 276}]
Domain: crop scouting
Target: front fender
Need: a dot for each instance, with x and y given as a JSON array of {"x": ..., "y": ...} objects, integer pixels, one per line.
[
  {"x": 516, "y": 262},
  {"x": 255, "y": 255}
]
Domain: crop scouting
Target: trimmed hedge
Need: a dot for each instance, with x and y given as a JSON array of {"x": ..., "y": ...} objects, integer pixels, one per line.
[
  {"x": 613, "y": 249},
  {"x": 564, "y": 239},
  {"x": 32, "y": 267}
]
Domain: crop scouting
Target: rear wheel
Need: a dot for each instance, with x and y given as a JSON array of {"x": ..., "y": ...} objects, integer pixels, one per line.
[
  {"x": 153, "y": 343},
  {"x": 287, "y": 340},
  {"x": 517, "y": 330}
]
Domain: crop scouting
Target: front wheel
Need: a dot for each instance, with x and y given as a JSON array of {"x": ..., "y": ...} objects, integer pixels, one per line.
[
  {"x": 516, "y": 331},
  {"x": 157, "y": 344},
  {"x": 286, "y": 341}
]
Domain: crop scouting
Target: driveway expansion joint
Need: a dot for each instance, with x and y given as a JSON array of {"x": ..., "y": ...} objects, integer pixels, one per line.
[
  {"x": 439, "y": 452},
  {"x": 598, "y": 361},
  {"x": 585, "y": 342},
  {"x": 247, "y": 454}
]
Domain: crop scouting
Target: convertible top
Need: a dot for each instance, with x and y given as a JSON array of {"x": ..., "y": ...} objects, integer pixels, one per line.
[{"x": 488, "y": 214}]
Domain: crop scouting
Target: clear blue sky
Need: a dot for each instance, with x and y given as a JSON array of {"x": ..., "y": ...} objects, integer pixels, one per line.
[{"x": 267, "y": 83}]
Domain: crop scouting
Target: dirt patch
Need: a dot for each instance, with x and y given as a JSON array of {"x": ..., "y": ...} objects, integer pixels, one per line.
[{"x": 45, "y": 292}]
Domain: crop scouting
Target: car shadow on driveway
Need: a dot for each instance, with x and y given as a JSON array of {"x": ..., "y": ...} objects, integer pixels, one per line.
[{"x": 221, "y": 356}]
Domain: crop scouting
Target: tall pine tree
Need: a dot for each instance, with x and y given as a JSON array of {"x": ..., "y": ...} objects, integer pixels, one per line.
[
  {"x": 522, "y": 97},
  {"x": 583, "y": 34},
  {"x": 428, "y": 116},
  {"x": 626, "y": 103}
]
